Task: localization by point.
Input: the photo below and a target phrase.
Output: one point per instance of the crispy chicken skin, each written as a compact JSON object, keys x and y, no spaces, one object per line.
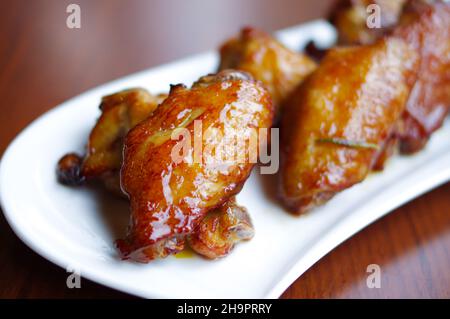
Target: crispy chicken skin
{"x":339,"y":120}
{"x":170,"y":198}
{"x":221,"y":230}
{"x":259,"y":54}
{"x":350,"y":19}
{"x":426,"y":27}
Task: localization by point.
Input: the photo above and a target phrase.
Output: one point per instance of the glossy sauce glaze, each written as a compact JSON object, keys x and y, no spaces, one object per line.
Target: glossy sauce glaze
{"x":120,"y":112}
{"x":426,"y":27}
{"x":170,"y":198}
{"x":267,"y":60}
{"x":356,"y":95}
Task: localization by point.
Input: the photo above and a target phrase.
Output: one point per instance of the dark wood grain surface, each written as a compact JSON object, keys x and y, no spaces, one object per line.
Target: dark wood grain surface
{"x":43,"y":63}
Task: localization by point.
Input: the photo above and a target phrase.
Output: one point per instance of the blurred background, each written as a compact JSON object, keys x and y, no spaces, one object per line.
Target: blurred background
{"x":43,"y":63}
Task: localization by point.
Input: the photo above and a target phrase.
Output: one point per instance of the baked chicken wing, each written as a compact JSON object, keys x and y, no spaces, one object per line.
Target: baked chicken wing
{"x":221,"y":230}
{"x":339,"y":120}
{"x":169,"y":198}
{"x":426,"y":27}
{"x":259,"y":54}
{"x":214,"y":237}
{"x":120,"y":112}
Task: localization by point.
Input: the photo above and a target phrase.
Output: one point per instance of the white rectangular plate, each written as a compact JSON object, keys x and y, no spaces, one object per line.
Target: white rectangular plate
{"x":76,"y":227}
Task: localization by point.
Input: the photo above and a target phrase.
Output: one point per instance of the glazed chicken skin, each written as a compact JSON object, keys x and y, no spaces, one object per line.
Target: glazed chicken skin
{"x":215,"y":237}
{"x":426,"y":27}
{"x":170,"y":198}
{"x":120,"y":112}
{"x":338,"y":122}
{"x":267,"y":60}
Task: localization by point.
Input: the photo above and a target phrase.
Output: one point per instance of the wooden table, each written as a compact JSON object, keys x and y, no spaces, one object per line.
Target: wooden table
{"x":43,"y":63}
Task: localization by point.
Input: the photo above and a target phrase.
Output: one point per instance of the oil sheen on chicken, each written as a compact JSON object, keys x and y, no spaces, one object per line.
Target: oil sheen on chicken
{"x":120,"y":112}
{"x":170,"y":198}
{"x":259,"y":54}
{"x":425,"y":25}
{"x":339,"y":120}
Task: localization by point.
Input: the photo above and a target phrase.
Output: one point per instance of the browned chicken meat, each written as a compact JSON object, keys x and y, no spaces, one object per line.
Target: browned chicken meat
{"x":338,"y":122}
{"x":350,"y":18}
{"x":259,"y":54}
{"x":169,"y":198}
{"x":221,"y":230}
{"x":120,"y":112}
{"x":425,"y":25}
